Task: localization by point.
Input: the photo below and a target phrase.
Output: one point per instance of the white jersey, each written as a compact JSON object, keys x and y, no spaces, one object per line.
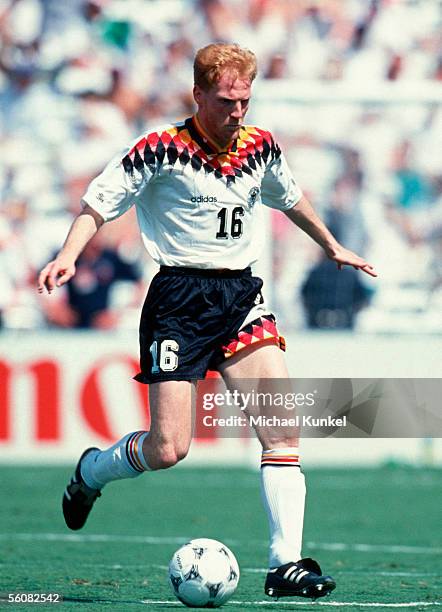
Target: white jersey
{"x":197,"y":206}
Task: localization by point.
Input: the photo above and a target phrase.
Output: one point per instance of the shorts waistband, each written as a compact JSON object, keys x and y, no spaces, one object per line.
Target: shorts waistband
{"x":205,"y":272}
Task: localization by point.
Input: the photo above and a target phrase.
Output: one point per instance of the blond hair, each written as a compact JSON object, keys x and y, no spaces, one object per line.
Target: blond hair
{"x":212,"y":61}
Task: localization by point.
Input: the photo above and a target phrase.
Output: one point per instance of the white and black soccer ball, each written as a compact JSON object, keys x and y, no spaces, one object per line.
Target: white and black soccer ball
{"x":203,"y":573}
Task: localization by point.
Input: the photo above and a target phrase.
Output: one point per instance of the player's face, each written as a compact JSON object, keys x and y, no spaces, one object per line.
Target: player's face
{"x":222,"y":109}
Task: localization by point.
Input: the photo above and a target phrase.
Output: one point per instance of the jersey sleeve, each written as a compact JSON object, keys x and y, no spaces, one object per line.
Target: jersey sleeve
{"x":278,"y":188}
{"x":124,"y":178}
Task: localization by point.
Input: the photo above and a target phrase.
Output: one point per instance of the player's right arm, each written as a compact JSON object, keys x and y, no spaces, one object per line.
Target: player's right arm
{"x":108,"y":197}
{"x":59,"y":271}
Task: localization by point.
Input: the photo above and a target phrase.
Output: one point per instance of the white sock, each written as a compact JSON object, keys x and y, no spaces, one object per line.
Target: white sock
{"x":283,"y":492}
{"x":124,"y":459}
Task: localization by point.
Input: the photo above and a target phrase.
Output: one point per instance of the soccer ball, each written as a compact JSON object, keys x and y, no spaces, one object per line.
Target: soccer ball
{"x":203,"y":573}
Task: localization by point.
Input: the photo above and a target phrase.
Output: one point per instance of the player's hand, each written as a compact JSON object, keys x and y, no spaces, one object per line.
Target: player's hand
{"x":344,"y":257}
{"x":55,"y":274}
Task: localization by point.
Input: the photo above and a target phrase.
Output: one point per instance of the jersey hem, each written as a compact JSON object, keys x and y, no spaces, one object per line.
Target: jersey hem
{"x":278,"y":341}
{"x":146,"y":379}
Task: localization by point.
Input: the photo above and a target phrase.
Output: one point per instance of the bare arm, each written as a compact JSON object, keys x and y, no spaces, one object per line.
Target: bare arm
{"x":59,"y":271}
{"x":304,"y":216}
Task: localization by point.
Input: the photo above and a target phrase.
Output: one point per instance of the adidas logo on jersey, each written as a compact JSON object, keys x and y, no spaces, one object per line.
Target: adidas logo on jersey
{"x":201,"y":198}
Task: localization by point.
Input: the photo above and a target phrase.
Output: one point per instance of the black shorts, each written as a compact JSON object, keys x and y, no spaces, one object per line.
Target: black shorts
{"x":194,"y":319}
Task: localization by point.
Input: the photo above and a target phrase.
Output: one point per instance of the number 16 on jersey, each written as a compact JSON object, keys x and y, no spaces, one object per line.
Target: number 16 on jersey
{"x":167,"y":359}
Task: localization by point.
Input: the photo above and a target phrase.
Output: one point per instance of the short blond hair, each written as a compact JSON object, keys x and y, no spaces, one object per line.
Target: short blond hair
{"x":212,"y":61}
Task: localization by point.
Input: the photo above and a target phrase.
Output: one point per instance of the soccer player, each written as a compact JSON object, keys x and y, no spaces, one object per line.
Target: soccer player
{"x":198,"y":187}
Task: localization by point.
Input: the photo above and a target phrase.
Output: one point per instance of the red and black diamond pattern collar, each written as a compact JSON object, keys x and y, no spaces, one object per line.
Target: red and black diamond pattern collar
{"x":184,"y":144}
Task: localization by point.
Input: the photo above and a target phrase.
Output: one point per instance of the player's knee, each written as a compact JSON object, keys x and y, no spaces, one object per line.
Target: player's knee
{"x":181,"y":452}
{"x":167,"y":456}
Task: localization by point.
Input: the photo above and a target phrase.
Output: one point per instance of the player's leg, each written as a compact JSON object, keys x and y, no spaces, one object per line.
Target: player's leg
{"x":164,"y":445}
{"x":171,"y":424}
{"x":282,"y":482}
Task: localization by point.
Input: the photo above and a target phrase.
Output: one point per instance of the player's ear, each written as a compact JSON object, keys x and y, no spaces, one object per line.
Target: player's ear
{"x":197,"y":94}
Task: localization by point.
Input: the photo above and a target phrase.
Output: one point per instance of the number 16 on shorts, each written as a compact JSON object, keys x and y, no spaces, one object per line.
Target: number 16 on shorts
{"x":164,"y":357}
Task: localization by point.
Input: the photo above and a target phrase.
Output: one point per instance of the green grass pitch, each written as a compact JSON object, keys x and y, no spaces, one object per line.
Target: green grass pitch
{"x":377,"y":531}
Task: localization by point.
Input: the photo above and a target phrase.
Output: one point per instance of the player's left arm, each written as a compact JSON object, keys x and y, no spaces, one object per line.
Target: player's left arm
{"x":305,"y":217}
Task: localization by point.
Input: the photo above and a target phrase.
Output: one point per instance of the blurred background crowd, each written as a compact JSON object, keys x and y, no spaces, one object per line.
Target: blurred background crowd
{"x":79,"y":79}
